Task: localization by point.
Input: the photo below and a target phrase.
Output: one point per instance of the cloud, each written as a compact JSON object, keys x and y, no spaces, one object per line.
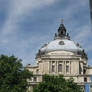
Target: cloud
{"x":18,"y":9}
{"x":90,"y":61}
{"x":89,"y":47}
{"x":83,"y":34}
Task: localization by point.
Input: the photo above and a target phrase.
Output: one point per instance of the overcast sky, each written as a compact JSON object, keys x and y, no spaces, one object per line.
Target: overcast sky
{"x":25,"y":25}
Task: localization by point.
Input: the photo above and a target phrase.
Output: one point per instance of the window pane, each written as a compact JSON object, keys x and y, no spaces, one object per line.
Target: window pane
{"x":60,"y":68}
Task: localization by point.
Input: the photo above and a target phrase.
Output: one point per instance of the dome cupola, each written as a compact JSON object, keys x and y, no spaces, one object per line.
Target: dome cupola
{"x":62,"y":34}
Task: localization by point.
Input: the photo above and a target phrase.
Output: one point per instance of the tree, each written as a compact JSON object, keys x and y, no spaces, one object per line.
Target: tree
{"x":13,"y":77}
{"x":56,"y":84}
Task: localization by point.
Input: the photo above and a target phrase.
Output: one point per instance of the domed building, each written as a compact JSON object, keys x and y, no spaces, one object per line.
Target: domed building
{"x":61,"y":56}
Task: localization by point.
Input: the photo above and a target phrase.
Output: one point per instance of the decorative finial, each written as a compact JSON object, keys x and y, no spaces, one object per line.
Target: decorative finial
{"x":62,"y":20}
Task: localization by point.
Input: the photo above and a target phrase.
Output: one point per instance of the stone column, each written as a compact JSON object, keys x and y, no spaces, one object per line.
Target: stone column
{"x":65,"y":67}
{"x":70,"y":67}
{"x":55,"y":66}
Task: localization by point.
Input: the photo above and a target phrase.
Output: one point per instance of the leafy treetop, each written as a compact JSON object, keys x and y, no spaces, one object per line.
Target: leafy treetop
{"x":13,"y":77}
{"x":56,"y":84}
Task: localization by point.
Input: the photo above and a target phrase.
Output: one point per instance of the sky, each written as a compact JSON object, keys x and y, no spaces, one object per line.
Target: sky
{"x":25,"y":25}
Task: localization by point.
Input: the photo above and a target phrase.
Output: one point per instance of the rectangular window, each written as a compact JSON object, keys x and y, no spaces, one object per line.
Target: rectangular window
{"x":53,"y":68}
{"x":35,"y":79}
{"x":85,"y":79}
{"x":84,"y":71}
{"x":37,"y":71}
{"x":67,"y":68}
{"x":59,"y":67}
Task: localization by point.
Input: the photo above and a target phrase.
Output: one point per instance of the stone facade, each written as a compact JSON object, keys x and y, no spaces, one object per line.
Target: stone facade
{"x":61,"y":56}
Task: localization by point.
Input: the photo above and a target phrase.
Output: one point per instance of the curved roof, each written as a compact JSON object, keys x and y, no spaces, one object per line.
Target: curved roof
{"x":61,"y":44}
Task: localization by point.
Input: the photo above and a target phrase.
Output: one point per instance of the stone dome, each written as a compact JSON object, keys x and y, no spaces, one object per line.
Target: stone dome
{"x":61,"y":42}
{"x":61,"y":45}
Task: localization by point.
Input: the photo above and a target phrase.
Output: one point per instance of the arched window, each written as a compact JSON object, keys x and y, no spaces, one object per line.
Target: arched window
{"x":59,"y":67}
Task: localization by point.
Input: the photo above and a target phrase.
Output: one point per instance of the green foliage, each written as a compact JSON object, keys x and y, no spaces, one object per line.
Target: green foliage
{"x":56,"y":84}
{"x":13,"y":77}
